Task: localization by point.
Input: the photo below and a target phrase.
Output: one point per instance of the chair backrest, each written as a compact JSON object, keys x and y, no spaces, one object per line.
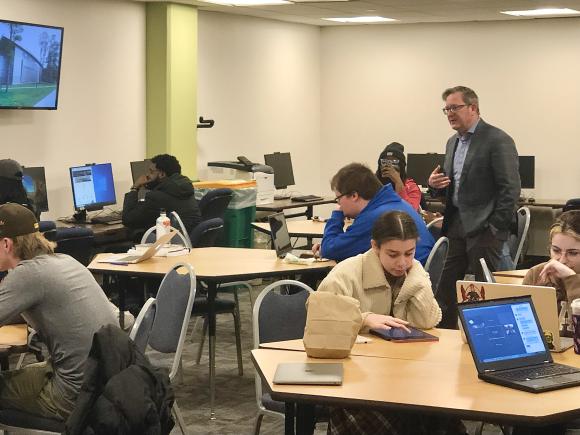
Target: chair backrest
{"x":517,"y":244}
{"x":177,"y":222}
{"x":486,"y":272}
{"x":143,"y":325}
{"x":279,"y":316}
{"x":214,"y":203}
{"x":572,"y":204}
{"x":205,"y":234}
{"x":174,"y":301}
{"x":44,"y":226}
{"x":436,"y":261}
{"x":78,"y":242}
{"x":177,"y":239}
{"x":434,"y":227}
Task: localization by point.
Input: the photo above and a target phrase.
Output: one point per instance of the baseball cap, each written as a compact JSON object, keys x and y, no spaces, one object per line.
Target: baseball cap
{"x":10,"y":169}
{"x":16,"y":220}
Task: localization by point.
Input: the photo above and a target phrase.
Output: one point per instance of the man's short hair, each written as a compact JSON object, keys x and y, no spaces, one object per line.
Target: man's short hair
{"x":356,"y":177}
{"x":167,"y":163}
{"x":468,"y":95}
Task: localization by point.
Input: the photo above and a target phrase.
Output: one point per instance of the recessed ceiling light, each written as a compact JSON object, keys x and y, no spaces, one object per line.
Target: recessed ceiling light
{"x":248,"y":2}
{"x":542,"y":12}
{"x":360,"y":20}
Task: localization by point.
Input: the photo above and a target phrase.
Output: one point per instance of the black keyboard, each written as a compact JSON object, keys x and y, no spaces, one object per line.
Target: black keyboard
{"x":537,"y":372}
{"x":106,"y":219}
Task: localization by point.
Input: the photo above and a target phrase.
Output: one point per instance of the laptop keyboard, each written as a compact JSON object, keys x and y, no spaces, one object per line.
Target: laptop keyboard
{"x":538,"y":372}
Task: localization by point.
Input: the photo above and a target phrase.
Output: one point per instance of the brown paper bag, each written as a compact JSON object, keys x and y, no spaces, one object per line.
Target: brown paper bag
{"x":332,"y":324}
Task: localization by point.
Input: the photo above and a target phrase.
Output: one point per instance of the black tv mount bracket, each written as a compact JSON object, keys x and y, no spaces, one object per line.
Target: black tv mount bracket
{"x":205,"y":123}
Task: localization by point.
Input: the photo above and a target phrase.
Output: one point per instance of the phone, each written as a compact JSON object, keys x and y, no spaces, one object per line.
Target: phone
{"x":399,"y":335}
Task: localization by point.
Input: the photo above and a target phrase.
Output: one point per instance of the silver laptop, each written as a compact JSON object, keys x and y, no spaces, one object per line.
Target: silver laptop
{"x":150,"y":252}
{"x":281,"y":238}
{"x":544,"y":299}
{"x":309,"y":374}
{"x":509,"y":348}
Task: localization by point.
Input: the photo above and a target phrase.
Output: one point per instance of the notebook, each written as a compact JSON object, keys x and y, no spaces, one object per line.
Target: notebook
{"x":132,"y":259}
{"x":544,"y":301}
{"x":281,"y":238}
{"x":309,"y":374}
{"x":509,"y":348}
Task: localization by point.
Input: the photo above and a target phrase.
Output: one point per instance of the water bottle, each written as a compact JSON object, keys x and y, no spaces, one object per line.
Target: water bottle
{"x":162,"y":225}
{"x":575,"y":305}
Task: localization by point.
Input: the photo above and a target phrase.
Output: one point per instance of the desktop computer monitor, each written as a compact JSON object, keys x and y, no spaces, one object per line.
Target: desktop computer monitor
{"x":281,"y":163}
{"x":528,"y":171}
{"x":420,"y":166}
{"x":140,"y":168}
{"x":93,"y":186}
{"x":34,"y":182}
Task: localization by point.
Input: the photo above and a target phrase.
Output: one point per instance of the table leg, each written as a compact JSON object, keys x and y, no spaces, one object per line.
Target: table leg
{"x":211,"y":293}
{"x":305,"y":419}
{"x":309,"y":212}
{"x":121,"y":288}
{"x":289,"y":418}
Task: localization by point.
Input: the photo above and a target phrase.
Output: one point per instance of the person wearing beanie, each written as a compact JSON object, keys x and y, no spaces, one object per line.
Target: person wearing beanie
{"x":11,"y":187}
{"x":60,"y":299}
{"x":392,"y":169}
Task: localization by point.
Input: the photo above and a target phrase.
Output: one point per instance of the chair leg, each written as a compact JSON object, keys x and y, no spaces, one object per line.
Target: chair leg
{"x":238,"y":341}
{"x":179,"y":418}
{"x":202,"y":340}
{"x":191,"y":337}
{"x":258,"y":423}
{"x":237,"y":302}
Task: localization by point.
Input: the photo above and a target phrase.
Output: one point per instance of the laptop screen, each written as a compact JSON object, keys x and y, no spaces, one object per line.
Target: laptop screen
{"x":280,"y":235}
{"x":503,"y":331}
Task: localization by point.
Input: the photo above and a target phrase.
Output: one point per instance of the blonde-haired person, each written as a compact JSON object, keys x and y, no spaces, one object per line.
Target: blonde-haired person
{"x":394,"y":291}
{"x":59,"y":298}
{"x":562,"y":271}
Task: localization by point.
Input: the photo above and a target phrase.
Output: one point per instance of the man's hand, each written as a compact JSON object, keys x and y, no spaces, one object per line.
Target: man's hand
{"x":141,"y":181}
{"x":553,"y":270}
{"x":316,"y":249}
{"x":392,"y":174}
{"x":379,"y":321}
{"x":438,"y":180}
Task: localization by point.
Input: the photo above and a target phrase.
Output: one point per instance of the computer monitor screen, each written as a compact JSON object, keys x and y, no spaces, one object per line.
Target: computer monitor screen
{"x":420,"y":166}
{"x":528,"y":171}
{"x":93,"y":186}
{"x":281,"y":163}
{"x":139,"y":168}
{"x":34,"y":182}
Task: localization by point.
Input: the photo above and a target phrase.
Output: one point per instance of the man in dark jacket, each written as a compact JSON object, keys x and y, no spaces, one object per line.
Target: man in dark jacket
{"x":163,"y":187}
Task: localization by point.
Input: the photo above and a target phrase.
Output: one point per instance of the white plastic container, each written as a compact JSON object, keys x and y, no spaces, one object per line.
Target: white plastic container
{"x":162,"y":225}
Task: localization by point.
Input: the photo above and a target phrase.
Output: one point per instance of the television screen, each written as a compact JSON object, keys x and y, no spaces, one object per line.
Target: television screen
{"x":34,"y":182}
{"x":30,"y":56}
{"x":93,"y":186}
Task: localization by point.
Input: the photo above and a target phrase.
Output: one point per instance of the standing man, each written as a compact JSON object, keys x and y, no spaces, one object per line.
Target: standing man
{"x":480,"y":185}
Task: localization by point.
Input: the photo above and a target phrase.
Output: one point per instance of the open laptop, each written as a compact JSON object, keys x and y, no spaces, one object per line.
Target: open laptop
{"x":150,"y":252}
{"x":544,"y":299}
{"x":509,"y":348}
{"x":309,"y":374}
{"x":281,"y":238}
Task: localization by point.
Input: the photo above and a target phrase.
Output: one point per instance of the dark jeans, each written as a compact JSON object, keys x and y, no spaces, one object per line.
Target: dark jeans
{"x":464,"y":254}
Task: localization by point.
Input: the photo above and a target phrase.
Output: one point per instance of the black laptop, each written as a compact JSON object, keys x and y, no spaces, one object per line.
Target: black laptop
{"x":509,"y":348}
{"x":281,"y":238}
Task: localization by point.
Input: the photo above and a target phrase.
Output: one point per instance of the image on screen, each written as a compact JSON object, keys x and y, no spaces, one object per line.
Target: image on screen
{"x":34,"y":182}
{"x":30,"y":58}
{"x":504,"y":332}
{"x":281,"y":163}
{"x":93,"y":186}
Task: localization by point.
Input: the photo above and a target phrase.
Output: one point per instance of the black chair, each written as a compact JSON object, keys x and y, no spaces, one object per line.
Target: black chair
{"x":436,"y":261}
{"x":486,"y":272}
{"x":78,"y":242}
{"x":434,"y":227}
{"x":44,"y":226}
{"x":205,"y":234}
{"x":214,"y":203}
{"x":572,"y":204}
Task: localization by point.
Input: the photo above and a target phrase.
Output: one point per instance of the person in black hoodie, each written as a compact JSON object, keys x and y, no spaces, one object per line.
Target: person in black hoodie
{"x":11,"y":187}
{"x":163,"y":187}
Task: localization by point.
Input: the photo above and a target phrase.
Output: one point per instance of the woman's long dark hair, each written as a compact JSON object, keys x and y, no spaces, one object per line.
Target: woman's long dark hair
{"x":394,"y":225}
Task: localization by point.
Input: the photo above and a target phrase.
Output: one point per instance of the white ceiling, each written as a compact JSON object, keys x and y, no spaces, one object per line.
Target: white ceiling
{"x":406,"y":11}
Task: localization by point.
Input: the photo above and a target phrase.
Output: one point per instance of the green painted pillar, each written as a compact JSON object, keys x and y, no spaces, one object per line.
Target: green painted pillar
{"x":172,"y":83}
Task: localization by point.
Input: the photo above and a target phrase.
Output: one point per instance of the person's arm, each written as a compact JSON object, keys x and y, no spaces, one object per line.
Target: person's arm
{"x":138,"y":214}
{"x":338,"y":244}
{"x":411,"y":193}
{"x":504,"y":160}
{"x":19,"y":291}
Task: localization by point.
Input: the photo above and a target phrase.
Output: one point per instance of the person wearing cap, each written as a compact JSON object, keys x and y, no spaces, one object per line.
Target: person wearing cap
{"x":60,"y":299}
{"x":11,"y":187}
{"x":392,"y":168}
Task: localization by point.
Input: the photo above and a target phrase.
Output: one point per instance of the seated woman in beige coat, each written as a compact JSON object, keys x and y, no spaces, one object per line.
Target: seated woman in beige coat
{"x":562,"y":271}
{"x":392,"y":287}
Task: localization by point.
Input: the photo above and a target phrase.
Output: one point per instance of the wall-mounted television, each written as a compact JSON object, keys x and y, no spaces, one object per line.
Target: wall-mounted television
{"x":30,"y":57}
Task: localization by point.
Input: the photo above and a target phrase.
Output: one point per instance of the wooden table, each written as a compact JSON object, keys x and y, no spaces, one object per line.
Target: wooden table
{"x":284,"y":204}
{"x":422,"y":377}
{"x":215,"y":266}
{"x":13,"y":339}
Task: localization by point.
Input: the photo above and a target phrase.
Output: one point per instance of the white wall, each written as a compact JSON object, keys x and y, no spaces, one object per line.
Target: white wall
{"x":384,"y":83}
{"x":101,"y":111}
{"x":260,"y":81}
